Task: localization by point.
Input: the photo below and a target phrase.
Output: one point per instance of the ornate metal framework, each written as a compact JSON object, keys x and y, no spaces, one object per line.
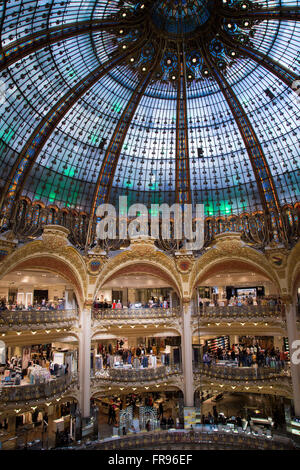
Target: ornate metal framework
{"x":263,"y":176}
{"x":183,"y":190}
{"x":158,"y":43}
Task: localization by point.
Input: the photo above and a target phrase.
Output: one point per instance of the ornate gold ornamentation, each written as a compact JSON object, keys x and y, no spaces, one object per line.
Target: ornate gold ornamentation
{"x":184,"y":261}
{"x":230,"y":247}
{"x":141,"y":251}
{"x":55,"y":237}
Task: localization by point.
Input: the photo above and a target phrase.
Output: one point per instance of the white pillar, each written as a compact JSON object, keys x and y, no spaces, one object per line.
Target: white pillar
{"x":69,"y":299}
{"x":293,"y":335}
{"x":85,"y":360}
{"x":187,"y":355}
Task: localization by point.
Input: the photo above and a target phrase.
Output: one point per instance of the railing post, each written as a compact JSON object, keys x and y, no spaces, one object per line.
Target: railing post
{"x":85,"y":359}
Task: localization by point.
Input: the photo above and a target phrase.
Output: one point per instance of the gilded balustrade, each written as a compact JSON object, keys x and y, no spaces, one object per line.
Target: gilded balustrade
{"x":214,"y":439}
{"x":231,"y":373}
{"x":247,"y":312}
{"x":24,"y":393}
{"x":27,"y":319}
{"x":135,"y":313}
{"x":137,"y":375}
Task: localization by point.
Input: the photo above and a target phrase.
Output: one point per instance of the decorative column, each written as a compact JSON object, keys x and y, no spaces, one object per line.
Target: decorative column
{"x":293,"y":335}
{"x":187,"y":354}
{"x":69,"y":299}
{"x":85,"y":359}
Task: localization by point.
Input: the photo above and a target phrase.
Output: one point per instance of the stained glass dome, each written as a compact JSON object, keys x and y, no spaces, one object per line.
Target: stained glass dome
{"x":160,"y":101}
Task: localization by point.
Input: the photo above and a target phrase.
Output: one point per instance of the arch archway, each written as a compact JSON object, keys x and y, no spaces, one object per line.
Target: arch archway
{"x":232,"y":264}
{"x":136,"y":261}
{"x":38,"y":258}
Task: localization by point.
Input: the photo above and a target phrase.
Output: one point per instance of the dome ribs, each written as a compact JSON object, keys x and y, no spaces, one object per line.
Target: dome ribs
{"x":183,"y":188}
{"x":284,"y":74}
{"x":48,"y":124}
{"x":110,"y":161}
{"x":264,"y":180}
{"x":17,"y":50}
{"x":291,"y":13}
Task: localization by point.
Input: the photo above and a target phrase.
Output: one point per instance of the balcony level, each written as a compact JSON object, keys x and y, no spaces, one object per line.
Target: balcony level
{"x":264,"y":380}
{"x":260,"y":380}
{"x":235,"y":319}
{"x":258,"y":313}
{"x":21,"y":396}
{"x":204,"y":439}
{"x":27,"y":320}
{"x":128,"y":380}
{"x":135,"y":321}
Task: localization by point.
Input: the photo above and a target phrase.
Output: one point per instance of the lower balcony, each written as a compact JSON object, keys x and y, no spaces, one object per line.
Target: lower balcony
{"x":243,"y":379}
{"x":20,"y":395}
{"x":206,"y":439}
{"x":241,"y":373}
{"x":239,"y":313}
{"x":106,"y":381}
{"x":23,"y":320}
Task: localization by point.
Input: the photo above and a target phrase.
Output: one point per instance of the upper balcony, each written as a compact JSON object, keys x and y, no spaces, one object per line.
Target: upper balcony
{"x":23,"y":320}
{"x":262,"y":315}
{"x":136,"y":317}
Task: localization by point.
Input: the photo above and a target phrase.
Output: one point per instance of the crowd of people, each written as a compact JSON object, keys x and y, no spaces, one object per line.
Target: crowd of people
{"x":36,"y":306}
{"x":152,"y":303}
{"x":240,"y":301}
{"x":141,"y":356}
{"x":248,"y":356}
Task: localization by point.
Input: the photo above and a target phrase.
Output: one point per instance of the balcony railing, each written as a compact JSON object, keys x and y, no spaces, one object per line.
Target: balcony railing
{"x":240,"y":373}
{"x":137,"y":375}
{"x":25,"y":393}
{"x":28,"y":219}
{"x":244,"y":311}
{"x":130,"y":313}
{"x":211,"y":438}
{"x":14,"y":319}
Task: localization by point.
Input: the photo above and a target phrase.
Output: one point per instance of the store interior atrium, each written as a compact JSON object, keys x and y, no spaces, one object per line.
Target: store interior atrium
{"x":149,"y":225}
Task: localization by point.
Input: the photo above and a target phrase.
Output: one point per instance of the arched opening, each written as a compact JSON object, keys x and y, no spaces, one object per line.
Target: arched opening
{"x":137,"y":282}
{"x":139,"y":306}
{"x":39,"y":308}
{"x":134,"y":410}
{"x":235,"y":301}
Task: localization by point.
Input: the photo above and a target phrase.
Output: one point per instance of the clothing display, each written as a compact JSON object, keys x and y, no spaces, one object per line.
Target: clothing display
{"x":144,"y":362}
{"x":37,"y":374}
{"x":99,"y":362}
